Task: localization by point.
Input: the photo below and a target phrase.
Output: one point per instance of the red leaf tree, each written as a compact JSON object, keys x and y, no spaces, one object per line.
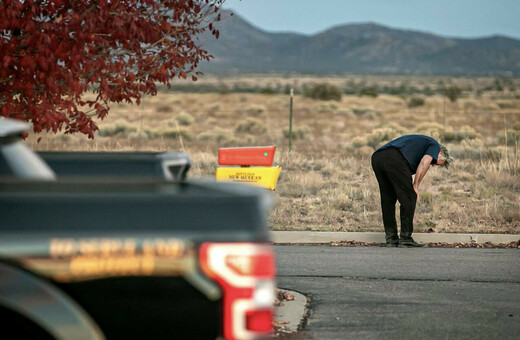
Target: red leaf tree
{"x":53,"y":51}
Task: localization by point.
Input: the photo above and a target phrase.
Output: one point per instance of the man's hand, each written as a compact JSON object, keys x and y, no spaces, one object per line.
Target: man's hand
{"x":421,"y":171}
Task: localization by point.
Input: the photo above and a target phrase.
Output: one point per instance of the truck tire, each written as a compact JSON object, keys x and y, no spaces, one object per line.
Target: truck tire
{"x":19,"y":327}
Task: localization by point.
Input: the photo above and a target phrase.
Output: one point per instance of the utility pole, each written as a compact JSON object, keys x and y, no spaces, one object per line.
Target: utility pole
{"x":290,"y":121}
{"x":443,"y":118}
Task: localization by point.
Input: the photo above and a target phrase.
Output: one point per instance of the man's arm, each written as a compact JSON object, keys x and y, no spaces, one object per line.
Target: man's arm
{"x":421,"y":171}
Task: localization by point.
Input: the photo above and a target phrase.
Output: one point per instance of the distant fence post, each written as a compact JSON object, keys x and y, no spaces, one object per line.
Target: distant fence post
{"x":290,"y":121}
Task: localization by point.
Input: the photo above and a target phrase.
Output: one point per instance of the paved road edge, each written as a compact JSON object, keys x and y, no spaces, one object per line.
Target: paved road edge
{"x":293,"y":237}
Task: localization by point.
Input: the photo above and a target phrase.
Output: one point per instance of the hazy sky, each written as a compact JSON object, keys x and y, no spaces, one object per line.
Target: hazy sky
{"x":453,"y":18}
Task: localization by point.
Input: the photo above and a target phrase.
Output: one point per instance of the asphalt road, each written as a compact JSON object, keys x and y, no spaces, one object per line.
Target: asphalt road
{"x":401,"y":293}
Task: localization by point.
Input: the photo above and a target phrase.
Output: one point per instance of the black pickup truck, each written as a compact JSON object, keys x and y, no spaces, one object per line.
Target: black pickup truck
{"x":93,"y":254}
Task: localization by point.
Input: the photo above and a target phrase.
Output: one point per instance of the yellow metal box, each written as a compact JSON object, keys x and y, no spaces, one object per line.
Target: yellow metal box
{"x":262,"y":176}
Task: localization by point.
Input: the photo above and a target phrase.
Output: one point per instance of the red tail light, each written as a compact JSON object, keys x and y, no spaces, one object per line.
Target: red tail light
{"x":259,"y":321}
{"x":245,"y":271}
{"x":258,"y":266}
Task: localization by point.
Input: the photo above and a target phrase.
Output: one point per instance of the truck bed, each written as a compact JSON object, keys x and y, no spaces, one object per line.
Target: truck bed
{"x":171,"y":166}
{"x":208,"y":210}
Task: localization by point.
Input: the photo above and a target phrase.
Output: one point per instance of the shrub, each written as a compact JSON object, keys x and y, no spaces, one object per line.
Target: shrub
{"x":267,"y":90}
{"x":465,"y":132}
{"x":453,"y":93}
{"x":223,"y":89}
{"x":506,"y":105}
{"x":513,"y":137}
{"x":346,"y":112}
{"x":369,"y":91}
{"x":326,"y":107}
{"x":120,"y":127}
{"x":164,"y":109}
{"x":364,"y":152}
{"x":468,"y":149}
{"x":203,"y":164}
{"x":369,"y":114}
{"x":494,"y":154}
{"x":358,"y":142}
{"x":430,"y":129}
{"x":299,"y":132}
{"x":173,"y":133}
{"x":396,"y":127}
{"x":323,"y":91}
{"x":213,"y":108}
{"x":378,"y":136}
{"x":185,"y":119}
{"x":255,"y":110}
{"x":416,"y":102}
{"x":252,"y":126}
{"x":217,"y":134}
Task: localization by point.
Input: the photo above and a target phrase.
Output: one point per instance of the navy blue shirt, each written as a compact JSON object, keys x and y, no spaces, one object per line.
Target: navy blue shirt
{"x":413,"y":148}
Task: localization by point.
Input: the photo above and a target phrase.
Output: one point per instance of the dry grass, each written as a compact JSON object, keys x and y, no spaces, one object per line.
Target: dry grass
{"x":327,"y":182}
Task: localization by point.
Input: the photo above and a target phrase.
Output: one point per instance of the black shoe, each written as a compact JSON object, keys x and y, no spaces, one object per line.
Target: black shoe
{"x":390,"y":244}
{"x":410,"y":243}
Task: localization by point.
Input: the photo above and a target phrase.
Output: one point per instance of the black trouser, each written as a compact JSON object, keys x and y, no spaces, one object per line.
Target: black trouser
{"x":395,"y":183}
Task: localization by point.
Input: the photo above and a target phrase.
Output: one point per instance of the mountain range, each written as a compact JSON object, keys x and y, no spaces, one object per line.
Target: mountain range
{"x":365,"y":48}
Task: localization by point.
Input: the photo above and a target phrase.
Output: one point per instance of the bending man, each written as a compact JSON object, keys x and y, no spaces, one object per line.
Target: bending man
{"x":394,"y":164}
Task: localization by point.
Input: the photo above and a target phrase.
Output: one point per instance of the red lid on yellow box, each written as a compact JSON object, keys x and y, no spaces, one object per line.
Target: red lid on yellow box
{"x":244,"y":156}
